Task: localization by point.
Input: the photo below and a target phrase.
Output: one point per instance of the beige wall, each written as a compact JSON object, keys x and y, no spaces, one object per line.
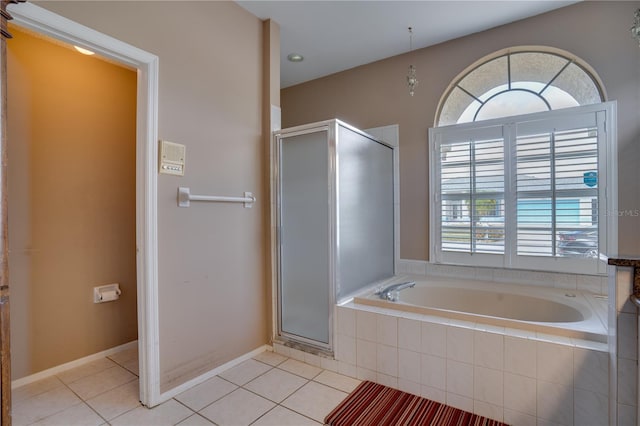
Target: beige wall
{"x":71,"y":132}
{"x":376,"y":94}
{"x":270,"y":123}
{"x":212,"y":290}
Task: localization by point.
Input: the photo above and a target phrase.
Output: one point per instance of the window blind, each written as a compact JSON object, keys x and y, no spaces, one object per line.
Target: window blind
{"x":524,"y":192}
{"x":557,"y":193}
{"x":472,"y":188}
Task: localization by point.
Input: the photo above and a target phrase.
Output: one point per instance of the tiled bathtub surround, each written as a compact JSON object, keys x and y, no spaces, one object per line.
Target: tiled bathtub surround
{"x":590,"y":283}
{"x":622,"y":319}
{"x":625,"y":349}
{"x":515,"y":376}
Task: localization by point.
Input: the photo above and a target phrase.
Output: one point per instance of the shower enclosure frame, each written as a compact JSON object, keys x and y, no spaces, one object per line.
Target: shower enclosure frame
{"x":333,"y":237}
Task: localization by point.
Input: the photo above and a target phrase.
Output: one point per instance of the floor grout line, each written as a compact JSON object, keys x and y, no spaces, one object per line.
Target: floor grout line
{"x":192,"y":412}
{"x":81,"y":399}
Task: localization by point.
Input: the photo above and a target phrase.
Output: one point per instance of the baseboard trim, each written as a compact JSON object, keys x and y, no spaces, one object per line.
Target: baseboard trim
{"x":211,"y":373}
{"x":69,"y":365}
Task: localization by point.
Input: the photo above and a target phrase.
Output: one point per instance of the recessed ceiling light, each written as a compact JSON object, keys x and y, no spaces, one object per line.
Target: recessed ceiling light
{"x":295,"y":57}
{"x":83,"y":51}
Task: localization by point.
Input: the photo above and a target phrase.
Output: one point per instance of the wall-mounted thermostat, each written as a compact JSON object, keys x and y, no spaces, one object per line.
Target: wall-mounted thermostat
{"x":172,"y":156}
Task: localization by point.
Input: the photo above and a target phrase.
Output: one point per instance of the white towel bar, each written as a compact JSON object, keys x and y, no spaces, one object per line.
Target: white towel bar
{"x":185,"y":198}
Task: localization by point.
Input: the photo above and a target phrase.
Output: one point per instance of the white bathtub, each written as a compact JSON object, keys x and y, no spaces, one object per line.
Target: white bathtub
{"x":563,"y":312}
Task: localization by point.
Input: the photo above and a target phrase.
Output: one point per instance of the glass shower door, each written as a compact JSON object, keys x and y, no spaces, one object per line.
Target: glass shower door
{"x":304,"y":224}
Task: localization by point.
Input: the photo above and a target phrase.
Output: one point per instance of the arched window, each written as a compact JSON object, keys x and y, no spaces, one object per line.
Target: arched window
{"x":525,"y":190}
{"x":519,"y":81}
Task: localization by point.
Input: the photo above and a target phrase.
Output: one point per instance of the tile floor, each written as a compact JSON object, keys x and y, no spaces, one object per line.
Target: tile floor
{"x":269,"y":389}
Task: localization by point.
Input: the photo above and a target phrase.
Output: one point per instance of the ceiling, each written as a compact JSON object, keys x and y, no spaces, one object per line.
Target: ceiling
{"x":337,"y":35}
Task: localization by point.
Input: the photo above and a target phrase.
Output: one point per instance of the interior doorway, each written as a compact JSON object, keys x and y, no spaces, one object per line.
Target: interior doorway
{"x":71,"y":122}
{"x":43,"y":22}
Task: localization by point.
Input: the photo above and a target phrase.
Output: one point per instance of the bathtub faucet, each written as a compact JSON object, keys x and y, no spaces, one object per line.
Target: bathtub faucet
{"x":390,"y":292}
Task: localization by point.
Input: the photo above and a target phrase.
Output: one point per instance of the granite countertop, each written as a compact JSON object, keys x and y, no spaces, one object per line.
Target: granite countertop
{"x":635,"y":264}
{"x":624,"y":262}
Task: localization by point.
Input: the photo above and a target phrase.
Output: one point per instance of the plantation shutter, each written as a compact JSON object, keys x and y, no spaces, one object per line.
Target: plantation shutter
{"x":557,"y":188}
{"x":471,"y":190}
{"x":523,"y":192}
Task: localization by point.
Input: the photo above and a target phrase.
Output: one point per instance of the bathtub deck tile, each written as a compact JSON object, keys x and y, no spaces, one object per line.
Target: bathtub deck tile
{"x":520,"y":356}
{"x":366,"y":354}
{"x":555,"y":403}
{"x":387,"y":380}
{"x":387,"y":360}
{"x":590,"y":408}
{"x":628,"y":335}
{"x":490,"y":411}
{"x":483,"y":274}
{"x":459,"y":378}
{"x":590,"y":283}
{"x":627,"y":381}
{"x":591,"y":370}
{"x":490,"y":328}
{"x":488,"y":385}
{"x":347,"y":369}
{"x":387,"y":330}
{"x":346,"y":321}
{"x":460,"y":344}
{"x":412,"y":316}
{"x":523,"y":334}
{"x":435,"y":319}
{"x":433,"y":371}
{"x":590,"y":344}
{"x":434,"y":394}
{"x":488,"y":350}
{"x":520,"y":393}
{"x":565,"y":281}
{"x":366,"y":374}
{"x":409,"y":386}
{"x":409,"y":334}
{"x":346,"y":349}
{"x":627,"y":414}
{"x":366,"y":325}
{"x":553,"y":338}
{"x":516,"y":418}
{"x":459,"y":401}
{"x":329,"y":364}
{"x":555,"y":363}
{"x":408,"y":364}
{"x":600,"y":306}
{"x":462,"y":323}
{"x":434,"y":339}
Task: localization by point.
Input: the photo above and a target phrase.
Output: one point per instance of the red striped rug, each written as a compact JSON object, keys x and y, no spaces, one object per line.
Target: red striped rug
{"x":373,"y":404}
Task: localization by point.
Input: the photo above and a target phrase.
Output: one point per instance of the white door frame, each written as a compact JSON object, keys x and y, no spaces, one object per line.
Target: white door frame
{"x":44,"y":22}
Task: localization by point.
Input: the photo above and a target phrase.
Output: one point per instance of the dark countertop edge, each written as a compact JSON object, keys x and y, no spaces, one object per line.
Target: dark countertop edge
{"x":624,"y":262}
{"x":635,"y":263}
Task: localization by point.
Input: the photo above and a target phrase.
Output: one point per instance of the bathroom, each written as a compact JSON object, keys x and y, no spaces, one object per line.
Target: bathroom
{"x":189,"y":285}
{"x":586,"y":364}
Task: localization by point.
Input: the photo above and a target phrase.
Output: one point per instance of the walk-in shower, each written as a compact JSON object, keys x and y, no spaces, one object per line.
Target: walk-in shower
{"x":334,"y":214}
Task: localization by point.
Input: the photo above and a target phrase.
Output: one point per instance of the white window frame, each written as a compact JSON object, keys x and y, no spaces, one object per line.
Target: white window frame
{"x":605,"y":114}
{"x":507,"y":53}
